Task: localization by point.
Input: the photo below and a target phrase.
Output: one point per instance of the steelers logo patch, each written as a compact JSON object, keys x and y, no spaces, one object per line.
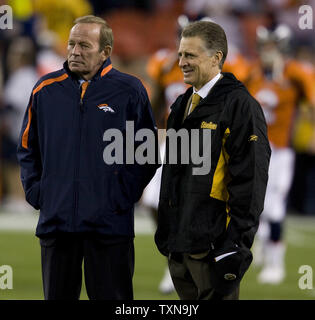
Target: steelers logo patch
{"x":229,"y":276}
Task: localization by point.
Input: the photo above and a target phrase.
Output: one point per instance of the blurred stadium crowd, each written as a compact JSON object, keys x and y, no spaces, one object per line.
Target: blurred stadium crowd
{"x":37,"y":45}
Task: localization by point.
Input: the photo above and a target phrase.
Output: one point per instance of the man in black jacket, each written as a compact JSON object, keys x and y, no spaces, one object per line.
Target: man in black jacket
{"x":207,"y":222}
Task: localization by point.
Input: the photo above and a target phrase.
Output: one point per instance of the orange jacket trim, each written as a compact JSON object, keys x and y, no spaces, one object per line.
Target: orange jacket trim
{"x":27,"y":129}
{"x":43,"y":84}
{"x":50,"y":81}
{"x":106,"y":70}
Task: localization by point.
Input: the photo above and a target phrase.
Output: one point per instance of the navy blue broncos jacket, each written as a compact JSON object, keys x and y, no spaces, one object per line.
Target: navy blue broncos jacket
{"x":61,"y":152}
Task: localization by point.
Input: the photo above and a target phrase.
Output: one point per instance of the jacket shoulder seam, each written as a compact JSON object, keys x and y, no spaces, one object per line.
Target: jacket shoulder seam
{"x":49,"y":81}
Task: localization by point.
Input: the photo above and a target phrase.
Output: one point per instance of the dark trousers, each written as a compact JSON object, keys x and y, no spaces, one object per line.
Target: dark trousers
{"x":191,"y":278}
{"x":108,"y":267}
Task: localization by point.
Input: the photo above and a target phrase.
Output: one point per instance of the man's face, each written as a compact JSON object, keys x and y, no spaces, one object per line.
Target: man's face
{"x":194,"y":60}
{"x":84,"y":56}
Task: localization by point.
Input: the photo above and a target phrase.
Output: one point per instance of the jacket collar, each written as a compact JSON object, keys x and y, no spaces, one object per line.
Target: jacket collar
{"x":211,"y":103}
{"x":103,"y":70}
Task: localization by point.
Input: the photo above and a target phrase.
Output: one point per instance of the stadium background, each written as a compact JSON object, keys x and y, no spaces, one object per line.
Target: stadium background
{"x":37,"y":42}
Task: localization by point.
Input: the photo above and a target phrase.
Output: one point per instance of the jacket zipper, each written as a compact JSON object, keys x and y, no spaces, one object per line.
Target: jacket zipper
{"x":77,"y":167}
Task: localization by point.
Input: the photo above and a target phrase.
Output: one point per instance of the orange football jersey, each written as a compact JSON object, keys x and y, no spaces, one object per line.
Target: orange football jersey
{"x":237,"y":64}
{"x":164,"y":70}
{"x":280,"y":96}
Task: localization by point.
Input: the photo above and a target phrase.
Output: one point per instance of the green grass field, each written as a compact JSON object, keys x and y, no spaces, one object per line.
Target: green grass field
{"x":21,"y":251}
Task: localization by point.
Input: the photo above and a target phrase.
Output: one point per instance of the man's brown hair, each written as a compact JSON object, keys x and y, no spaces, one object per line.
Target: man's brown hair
{"x":106,"y":33}
{"x":212,"y":35}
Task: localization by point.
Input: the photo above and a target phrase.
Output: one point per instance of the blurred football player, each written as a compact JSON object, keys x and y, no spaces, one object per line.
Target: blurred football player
{"x":279,"y":84}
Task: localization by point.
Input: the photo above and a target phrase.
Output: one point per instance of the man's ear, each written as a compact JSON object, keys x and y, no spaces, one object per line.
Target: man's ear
{"x":106,"y":52}
{"x":217,"y":58}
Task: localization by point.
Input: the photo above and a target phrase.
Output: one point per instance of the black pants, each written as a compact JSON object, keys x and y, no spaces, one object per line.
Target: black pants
{"x":191,"y":278}
{"x":108,"y":267}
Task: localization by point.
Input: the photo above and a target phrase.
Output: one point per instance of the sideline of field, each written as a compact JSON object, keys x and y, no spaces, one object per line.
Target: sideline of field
{"x":27,"y":221}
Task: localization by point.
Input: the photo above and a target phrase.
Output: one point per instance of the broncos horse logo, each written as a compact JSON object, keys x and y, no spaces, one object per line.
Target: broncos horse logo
{"x":106,"y":108}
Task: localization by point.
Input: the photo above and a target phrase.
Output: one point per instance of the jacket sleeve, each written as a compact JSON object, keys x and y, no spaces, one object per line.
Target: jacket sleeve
{"x":249,"y":154}
{"x":28,"y":155}
{"x":135,"y":177}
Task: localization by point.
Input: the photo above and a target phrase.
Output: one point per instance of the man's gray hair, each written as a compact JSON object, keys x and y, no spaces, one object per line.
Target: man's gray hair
{"x":212,"y":34}
{"x":106,"y":33}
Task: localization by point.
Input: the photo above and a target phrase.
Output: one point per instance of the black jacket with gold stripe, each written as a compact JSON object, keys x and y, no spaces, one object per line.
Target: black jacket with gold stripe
{"x":220,"y":209}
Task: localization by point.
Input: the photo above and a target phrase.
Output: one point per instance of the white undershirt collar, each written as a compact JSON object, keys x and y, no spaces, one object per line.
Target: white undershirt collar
{"x":203,"y":91}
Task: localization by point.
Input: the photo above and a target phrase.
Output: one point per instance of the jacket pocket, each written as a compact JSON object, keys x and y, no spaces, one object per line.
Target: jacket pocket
{"x":33,"y":195}
{"x":56,"y":198}
{"x":206,"y":218}
{"x":119,"y":193}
